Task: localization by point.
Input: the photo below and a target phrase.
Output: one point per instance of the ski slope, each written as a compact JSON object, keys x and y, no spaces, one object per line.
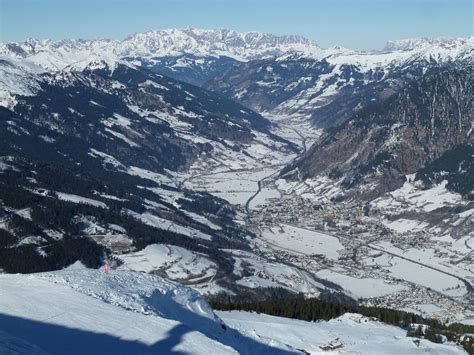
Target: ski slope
{"x":82,"y":311}
{"x":358,"y":334}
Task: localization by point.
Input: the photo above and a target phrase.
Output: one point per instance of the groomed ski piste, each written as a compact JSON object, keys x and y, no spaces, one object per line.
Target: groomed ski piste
{"x":85,"y":311}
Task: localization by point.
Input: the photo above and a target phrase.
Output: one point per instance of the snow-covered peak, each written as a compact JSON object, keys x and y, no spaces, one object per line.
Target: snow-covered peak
{"x":242,"y":46}
{"x":239,"y":45}
{"x":16,"y":78}
{"x":395,"y":54}
{"x":431,"y":49}
{"x":409,"y":44}
{"x":160,"y":43}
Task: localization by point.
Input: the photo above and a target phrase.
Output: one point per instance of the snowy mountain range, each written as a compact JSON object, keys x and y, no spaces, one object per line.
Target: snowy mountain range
{"x":328,"y":85}
{"x":240,"y":164}
{"x":158,"y":43}
{"x":277,"y":75}
{"x":226,"y":46}
{"x":221,"y":42}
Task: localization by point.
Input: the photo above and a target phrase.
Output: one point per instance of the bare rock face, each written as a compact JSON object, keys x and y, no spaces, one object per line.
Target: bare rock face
{"x":399,"y":135}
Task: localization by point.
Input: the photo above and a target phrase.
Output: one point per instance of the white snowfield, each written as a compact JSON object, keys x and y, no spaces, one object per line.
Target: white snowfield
{"x":178,"y":263}
{"x":83,"y":311}
{"x":303,"y":241}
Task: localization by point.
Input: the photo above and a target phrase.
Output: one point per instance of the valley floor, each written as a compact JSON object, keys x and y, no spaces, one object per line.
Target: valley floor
{"x":305,"y":239}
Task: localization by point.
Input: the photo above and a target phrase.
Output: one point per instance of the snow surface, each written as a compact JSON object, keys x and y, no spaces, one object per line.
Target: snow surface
{"x":83,"y":311}
{"x":80,"y":199}
{"x":165,"y":224}
{"x":357,"y":334}
{"x":303,"y":241}
{"x":178,"y":263}
{"x":360,"y":287}
{"x":412,"y":197}
{"x":16,"y":78}
{"x":403,"y":225}
{"x":88,"y":312}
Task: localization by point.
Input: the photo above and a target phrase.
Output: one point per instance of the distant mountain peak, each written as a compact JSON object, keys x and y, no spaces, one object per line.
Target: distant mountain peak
{"x":241,"y":45}
{"x":408,"y":44}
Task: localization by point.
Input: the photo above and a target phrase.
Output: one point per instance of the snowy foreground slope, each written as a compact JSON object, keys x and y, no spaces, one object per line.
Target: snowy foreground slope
{"x":79,"y":311}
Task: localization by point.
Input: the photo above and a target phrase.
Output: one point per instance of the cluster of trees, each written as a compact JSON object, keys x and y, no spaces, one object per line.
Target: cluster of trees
{"x":456,"y":166}
{"x":40,"y":166}
{"x":313,"y":309}
{"x":47,"y":212}
{"x":58,"y":254}
{"x":7,"y":239}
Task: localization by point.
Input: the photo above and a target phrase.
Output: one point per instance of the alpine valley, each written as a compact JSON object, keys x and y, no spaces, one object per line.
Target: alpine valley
{"x":238,"y":168}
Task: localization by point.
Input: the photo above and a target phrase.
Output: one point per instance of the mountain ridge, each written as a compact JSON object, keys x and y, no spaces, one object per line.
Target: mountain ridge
{"x":399,"y":135}
{"x":242,"y":46}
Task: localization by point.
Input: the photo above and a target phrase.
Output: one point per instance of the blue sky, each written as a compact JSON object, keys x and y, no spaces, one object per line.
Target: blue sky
{"x":358,"y":24}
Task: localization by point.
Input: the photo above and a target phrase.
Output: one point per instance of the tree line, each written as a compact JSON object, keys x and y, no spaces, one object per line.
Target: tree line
{"x":313,"y":310}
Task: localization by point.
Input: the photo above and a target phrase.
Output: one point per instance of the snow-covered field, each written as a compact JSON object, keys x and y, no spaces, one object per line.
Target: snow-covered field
{"x":423,"y":276}
{"x":176,"y":262}
{"x":412,"y":197}
{"x":165,"y":224}
{"x":265,"y":273}
{"x":237,"y":187}
{"x":79,"y":311}
{"x":431,"y":256}
{"x":303,"y":241}
{"x":360,"y":287}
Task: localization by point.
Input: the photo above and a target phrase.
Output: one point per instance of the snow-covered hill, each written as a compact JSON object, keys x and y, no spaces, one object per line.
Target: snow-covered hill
{"x":78,"y":311}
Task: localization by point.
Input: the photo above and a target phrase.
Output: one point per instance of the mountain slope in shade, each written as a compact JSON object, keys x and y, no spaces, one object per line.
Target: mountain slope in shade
{"x":456,"y":166}
{"x":398,"y":136}
{"x":90,"y":164}
{"x":121,"y":110}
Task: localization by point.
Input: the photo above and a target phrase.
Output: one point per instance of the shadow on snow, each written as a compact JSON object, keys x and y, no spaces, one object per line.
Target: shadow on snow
{"x":30,"y":336}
